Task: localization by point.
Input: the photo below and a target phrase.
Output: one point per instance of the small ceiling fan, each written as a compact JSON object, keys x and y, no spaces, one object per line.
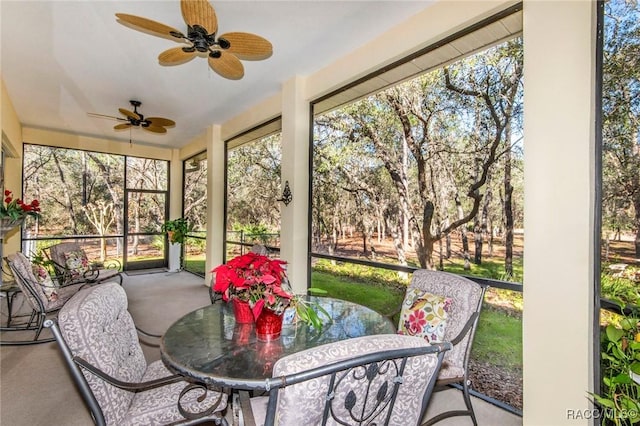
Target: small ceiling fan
{"x":223,"y":51}
{"x":135,"y":119}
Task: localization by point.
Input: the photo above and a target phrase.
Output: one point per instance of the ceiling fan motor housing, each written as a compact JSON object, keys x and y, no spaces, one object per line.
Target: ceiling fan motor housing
{"x":137,"y":122}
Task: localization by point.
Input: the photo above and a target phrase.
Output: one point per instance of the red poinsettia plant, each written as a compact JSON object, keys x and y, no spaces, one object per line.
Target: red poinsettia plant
{"x":16,"y":209}
{"x":256,"y":279}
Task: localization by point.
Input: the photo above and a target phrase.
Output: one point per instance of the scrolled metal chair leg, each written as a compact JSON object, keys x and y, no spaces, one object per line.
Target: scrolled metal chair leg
{"x":190,"y":415}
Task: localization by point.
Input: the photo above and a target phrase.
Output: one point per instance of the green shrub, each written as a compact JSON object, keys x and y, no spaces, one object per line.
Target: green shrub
{"x":620,"y":365}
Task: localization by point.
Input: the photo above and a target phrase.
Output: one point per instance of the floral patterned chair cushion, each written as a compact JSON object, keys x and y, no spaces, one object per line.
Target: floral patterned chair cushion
{"x":49,"y":288}
{"x":77,"y":262}
{"x":424,"y":315}
{"x":466,"y":297}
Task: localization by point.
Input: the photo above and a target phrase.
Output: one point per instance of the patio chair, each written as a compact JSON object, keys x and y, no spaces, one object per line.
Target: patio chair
{"x":71,"y":262}
{"x":434,"y":292}
{"x":378,"y":379}
{"x":43,"y":295}
{"x":100,"y":346}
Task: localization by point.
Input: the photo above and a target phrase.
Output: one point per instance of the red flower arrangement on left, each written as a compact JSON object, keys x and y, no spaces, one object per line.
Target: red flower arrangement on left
{"x":16,"y":209}
{"x":256,"y":279}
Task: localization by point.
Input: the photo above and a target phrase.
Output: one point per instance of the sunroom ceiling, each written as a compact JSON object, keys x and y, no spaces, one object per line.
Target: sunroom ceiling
{"x":458,"y":46}
{"x":64,"y":59}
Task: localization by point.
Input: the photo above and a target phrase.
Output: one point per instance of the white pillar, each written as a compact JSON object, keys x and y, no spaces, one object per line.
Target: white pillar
{"x":175,"y":204}
{"x":295,"y":169}
{"x":215,"y":199}
{"x":559,"y":110}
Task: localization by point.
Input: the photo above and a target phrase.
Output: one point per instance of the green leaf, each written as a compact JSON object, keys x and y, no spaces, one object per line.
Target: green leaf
{"x":635,"y":367}
{"x":605,"y":402}
{"x":614,"y":334}
{"x":628,"y":323}
{"x":622,"y":378}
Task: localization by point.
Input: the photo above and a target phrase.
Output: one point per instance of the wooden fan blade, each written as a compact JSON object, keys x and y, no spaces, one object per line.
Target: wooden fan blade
{"x":110,"y":117}
{"x":129,"y":114}
{"x":228,"y":66}
{"x":159,"y":121}
{"x":175,"y":56}
{"x":155,"y":129}
{"x":122,"y":126}
{"x":199,"y":12}
{"x":248,"y":46}
{"x":148,"y":26}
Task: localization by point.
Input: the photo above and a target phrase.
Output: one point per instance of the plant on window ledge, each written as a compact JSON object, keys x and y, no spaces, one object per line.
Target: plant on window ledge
{"x":14,"y":211}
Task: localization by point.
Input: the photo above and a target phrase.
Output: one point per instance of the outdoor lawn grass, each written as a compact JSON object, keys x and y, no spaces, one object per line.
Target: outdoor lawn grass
{"x":377,"y":297}
{"x":498,"y":337}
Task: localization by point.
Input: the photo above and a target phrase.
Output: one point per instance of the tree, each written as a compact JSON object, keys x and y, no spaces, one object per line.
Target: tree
{"x":621,"y":117}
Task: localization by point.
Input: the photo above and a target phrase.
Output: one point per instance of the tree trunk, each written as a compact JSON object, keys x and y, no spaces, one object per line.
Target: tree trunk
{"x":67,"y":195}
{"x":508,"y":206}
{"x":477,"y":241}
{"x":463,"y":236}
{"x":636,"y":205}
{"x":481,"y":230}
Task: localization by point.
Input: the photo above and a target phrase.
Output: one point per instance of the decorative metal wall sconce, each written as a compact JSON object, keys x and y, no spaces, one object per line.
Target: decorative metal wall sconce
{"x":287,"y":197}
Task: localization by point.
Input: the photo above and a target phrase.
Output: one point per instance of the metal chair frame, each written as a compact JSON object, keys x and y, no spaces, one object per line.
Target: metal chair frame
{"x":443,"y":384}
{"x":363,"y":368}
{"x":70,"y":276}
{"x":38,"y":313}
{"x":75,"y":363}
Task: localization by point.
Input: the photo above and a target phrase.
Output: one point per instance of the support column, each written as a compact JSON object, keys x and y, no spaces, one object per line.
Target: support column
{"x":215,"y":199}
{"x":559,"y":127}
{"x":295,"y":169}
{"x":175,"y":204}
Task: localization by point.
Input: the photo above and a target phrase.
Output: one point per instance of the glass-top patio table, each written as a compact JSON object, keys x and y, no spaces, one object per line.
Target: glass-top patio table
{"x":207,"y":345}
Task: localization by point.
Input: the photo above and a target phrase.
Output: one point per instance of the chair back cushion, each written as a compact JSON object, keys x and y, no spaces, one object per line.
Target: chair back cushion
{"x":69,"y":256}
{"x":303,"y":403}
{"x":77,"y":262}
{"x":424,"y":315}
{"x":96,"y":325}
{"x":465,"y":298}
{"x":43,"y":278}
{"x":25,"y":279}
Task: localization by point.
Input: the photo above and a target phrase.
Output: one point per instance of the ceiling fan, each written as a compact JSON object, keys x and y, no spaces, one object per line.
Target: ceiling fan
{"x":135,"y":119}
{"x":223,"y":51}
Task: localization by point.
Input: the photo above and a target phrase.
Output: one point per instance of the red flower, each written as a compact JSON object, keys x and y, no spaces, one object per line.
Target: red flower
{"x":253,"y":278}
{"x":18,"y":209}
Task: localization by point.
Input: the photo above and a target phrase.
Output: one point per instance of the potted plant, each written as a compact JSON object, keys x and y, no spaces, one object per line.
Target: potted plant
{"x":261,"y":283}
{"x":14,"y":211}
{"x":176,"y":230}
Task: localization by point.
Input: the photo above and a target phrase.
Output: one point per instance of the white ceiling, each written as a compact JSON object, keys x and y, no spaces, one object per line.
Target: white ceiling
{"x":63,"y":59}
